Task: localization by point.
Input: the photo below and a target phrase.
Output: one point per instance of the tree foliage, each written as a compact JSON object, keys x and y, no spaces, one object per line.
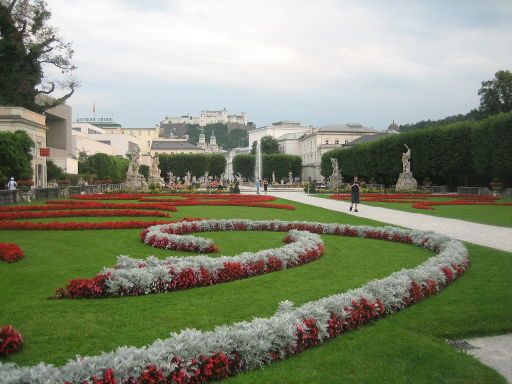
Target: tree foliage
{"x":15,"y":156}
{"x":225,"y":139}
{"x":496,"y":94}
{"x":278,"y":163}
{"x":269,"y":144}
{"x":53,"y":171}
{"x":29,"y":46}
{"x":244,"y":164}
{"x":105,"y":167}
{"x":464,"y":153}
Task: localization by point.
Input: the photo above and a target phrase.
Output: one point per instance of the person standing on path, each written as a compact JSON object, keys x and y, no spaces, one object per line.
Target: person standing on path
{"x":265,"y":185}
{"x":258,"y":185}
{"x":354,"y":191}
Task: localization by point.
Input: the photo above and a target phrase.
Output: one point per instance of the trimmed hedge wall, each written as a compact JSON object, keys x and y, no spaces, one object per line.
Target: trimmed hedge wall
{"x":279,"y":163}
{"x":465,"y":153}
{"x":197,"y":164}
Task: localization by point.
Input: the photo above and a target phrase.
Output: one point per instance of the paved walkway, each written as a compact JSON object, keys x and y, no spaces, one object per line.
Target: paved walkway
{"x":495,"y":351}
{"x":481,"y":234}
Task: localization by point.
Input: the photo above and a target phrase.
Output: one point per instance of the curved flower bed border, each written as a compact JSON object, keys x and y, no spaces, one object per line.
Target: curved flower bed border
{"x":193,"y":356}
{"x":58,"y":205}
{"x":11,"y":340}
{"x":133,"y":277}
{"x":417,"y":199}
{"x":10,"y":252}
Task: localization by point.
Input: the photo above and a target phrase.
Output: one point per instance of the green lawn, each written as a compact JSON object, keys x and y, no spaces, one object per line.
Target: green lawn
{"x":406,"y":347}
{"x":484,"y":214}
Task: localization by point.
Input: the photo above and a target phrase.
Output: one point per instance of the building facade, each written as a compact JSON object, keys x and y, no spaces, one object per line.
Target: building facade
{"x":207,"y":117}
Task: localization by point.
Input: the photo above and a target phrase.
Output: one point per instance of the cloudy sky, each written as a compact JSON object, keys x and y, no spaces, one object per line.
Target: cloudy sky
{"x":318,"y":62}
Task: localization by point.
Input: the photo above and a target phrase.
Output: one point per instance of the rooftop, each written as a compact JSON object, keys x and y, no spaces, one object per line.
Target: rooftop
{"x":160,"y":144}
{"x":349,"y":127}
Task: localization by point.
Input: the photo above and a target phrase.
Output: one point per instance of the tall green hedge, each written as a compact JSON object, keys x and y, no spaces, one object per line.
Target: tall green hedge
{"x":463,"y":153}
{"x":278,"y":163}
{"x":197,"y":164}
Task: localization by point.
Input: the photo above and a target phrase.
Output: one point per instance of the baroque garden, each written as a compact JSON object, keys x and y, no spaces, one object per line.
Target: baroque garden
{"x":173,"y":260}
{"x":183,"y":287}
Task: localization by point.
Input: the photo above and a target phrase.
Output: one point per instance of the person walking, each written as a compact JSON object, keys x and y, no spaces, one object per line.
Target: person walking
{"x":258,"y":185}
{"x":265,"y":185}
{"x":12,"y":185}
{"x":354,"y":191}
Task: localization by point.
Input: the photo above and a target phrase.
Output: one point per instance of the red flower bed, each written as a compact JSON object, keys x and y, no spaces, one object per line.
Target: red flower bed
{"x":81,"y":213}
{"x":10,"y":252}
{"x":56,"y":226}
{"x":60,"y":205}
{"x":10,"y":340}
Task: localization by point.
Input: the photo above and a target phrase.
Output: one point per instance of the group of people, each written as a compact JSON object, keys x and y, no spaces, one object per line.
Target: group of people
{"x":259,"y":183}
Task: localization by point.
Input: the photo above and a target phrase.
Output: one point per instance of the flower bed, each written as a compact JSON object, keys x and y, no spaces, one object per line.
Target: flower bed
{"x":58,"y":205}
{"x":418,"y":200}
{"x":10,"y":252}
{"x":194,"y":356}
{"x":72,"y":226}
{"x":81,"y":213}
{"x":194,"y":199}
{"x":11,"y":341}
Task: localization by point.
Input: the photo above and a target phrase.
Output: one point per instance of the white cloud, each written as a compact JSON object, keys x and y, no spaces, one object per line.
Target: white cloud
{"x":347,"y":49}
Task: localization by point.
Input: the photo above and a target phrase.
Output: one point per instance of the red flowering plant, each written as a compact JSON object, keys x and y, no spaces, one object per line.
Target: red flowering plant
{"x":10,"y":340}
{"x":10,"y":252}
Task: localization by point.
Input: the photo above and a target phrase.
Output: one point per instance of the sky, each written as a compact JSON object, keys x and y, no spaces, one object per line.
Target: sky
{"x":318,"y":62}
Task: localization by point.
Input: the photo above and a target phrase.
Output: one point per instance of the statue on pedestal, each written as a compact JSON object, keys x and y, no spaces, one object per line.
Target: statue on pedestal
{"x":336,"y":178}
{"x":406,"y":182}
{"x":154,"y":173}
{"x":134,"y":180}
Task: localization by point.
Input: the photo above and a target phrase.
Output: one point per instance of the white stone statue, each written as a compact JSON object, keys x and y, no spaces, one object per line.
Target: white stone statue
{"x":290,"y":177}
{"x":134,"y":180}
{"x":155,"y":162}
{"x":406,"y":156}
{"x":273,"y":177}
{"x":334,"y":163}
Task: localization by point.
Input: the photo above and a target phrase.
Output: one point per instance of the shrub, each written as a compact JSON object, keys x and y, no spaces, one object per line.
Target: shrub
{"x":10,"y":252}
{"x":10,"y":340}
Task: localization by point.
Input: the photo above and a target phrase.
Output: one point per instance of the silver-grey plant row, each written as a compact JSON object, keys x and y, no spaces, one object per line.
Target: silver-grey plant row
{"x":252,"y":340}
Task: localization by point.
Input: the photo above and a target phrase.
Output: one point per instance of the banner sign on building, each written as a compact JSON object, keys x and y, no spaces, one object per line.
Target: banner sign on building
{"x":44,"y":152}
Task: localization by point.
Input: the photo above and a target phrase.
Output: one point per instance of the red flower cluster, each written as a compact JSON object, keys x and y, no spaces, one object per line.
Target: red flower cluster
{"x":10,"y":252}
{"x":10,"y":340}
{"x":81,"y":213}
{"x":194,"y":199}
{"x":57,"y":226}
{"x":418,"y":200}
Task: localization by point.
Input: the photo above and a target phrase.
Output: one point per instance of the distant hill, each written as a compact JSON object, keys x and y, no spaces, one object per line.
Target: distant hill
{"x":473,"y":115}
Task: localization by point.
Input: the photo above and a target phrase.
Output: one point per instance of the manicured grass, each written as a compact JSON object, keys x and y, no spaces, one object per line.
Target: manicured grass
{"x":484,"y":214}
{"x":406,"y":347}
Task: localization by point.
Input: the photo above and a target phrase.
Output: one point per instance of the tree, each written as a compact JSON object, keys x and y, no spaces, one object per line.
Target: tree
{"x":496,"y":94}
{"x":16,"y":155}
{"x":53,"y":171}
{"x":216,"y":164}
{"x":28,"y":46}
{"x":269,"y":145}
{"x":244,"y":164}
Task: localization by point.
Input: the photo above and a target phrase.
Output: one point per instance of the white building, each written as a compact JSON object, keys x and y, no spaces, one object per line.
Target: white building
{"x":207,"y":117}
{"x":277,"y":130}
{"x":318,"y":141}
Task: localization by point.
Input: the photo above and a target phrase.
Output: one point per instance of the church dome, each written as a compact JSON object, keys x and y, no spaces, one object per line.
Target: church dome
{"x":393,"y":126}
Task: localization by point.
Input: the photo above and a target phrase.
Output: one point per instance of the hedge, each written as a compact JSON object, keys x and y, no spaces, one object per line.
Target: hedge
{"x":278,"y":163}
{"x":179,"y":164}
{"x":464,"y":153}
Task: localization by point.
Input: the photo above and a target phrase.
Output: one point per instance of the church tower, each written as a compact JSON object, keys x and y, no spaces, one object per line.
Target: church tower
{"x":202,"y":140}
{"x":213,"y":147}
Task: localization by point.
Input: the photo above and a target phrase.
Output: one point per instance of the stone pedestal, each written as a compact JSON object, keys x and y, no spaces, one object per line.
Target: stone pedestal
{"x":156,"y":181}
{"x":406,"y":182}
{"x":135,"y":183}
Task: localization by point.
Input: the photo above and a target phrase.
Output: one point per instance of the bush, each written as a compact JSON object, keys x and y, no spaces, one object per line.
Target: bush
{"x":10,"y":340}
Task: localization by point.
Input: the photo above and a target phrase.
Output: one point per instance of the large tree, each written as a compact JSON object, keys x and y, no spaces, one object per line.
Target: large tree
{"x":496,"y":94}
{"x":269,"y":145}
{"x":29,"y":49}
{"x":15,"y":156}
